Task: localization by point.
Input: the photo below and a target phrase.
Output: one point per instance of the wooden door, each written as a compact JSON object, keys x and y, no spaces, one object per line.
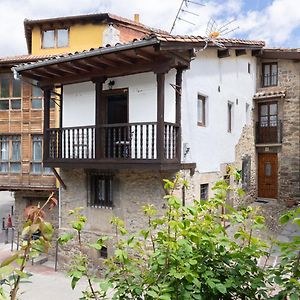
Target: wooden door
{"x":267,"y":175}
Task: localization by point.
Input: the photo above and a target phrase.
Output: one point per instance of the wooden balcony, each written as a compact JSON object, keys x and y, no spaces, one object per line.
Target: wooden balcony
{"x":269,"y":134}
{"x":117,"y":146}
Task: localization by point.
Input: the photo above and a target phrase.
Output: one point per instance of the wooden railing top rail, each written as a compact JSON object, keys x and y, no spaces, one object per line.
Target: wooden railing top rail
{"x":111,"y":125}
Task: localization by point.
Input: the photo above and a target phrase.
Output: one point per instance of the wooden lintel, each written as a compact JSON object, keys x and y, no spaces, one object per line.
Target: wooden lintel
{"x":239,"y":52}
{"x":180,"y":59}
{"x":223,"y":53}
{"x":57,"y":176}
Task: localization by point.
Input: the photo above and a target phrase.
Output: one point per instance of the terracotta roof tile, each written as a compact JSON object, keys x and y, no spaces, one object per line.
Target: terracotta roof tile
{"x":271,"y":92}
{"x":23,"y":58}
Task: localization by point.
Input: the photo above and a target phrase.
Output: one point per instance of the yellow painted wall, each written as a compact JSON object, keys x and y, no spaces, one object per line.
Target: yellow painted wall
{"x":81,"y":37}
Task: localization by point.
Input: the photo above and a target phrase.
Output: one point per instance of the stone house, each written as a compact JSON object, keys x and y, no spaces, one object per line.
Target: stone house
{"x":273,"y":142}
{"x":135,"y":113}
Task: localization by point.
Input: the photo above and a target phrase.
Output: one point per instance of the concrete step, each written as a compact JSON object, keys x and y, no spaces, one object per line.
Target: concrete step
{"x":39,"y":260}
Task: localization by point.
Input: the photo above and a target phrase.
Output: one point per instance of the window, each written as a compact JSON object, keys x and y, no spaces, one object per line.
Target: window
{"x":201,"y":110}
{"x":204,"y":191}
{"x":10,"y":156}
{"x":268,"y":114}
{"x":100,"y":191}
{"x":229,"y":116}
{"x":10,"y":93}
{"x":270,"y":74}
{"x":37,"y":151}
{"x":37,"y":97}
{"x":56,"y":38}
{"x":249,"y":68}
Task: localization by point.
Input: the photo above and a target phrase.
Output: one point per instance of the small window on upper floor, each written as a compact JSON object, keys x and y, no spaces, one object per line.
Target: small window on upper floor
{"x":10,"y":93}
{"x":201,"y":110}
{"x":269,"y":74}
{"x":55,"y":38}
{"x":37,"y":97}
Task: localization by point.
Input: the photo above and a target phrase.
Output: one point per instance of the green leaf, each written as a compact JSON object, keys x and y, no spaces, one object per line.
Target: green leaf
{"x":9,"y":260}
{"x":152,"y":294}
{"x":74,"y":282}
{"x":294,"y":297}
{"x":284,"y":218}
{"x":221,"y":288}
{"x":63,"y":239}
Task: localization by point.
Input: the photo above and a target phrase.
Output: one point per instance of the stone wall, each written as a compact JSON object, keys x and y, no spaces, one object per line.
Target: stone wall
{"x":289,"y":159}
{"x":245,"y":150}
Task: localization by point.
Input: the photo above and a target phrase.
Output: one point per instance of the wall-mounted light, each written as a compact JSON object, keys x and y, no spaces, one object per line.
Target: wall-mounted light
{"x":111,"y":83}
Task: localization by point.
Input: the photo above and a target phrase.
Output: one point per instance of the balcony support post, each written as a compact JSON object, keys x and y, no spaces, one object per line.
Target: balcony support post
{"x":160,"y":149}
{"x":178,"y":91}
{"x":100,"y":118}
{"x":47,"y":98}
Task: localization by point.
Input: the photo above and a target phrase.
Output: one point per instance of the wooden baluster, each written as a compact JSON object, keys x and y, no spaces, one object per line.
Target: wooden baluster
{"x":93,"y":143}
{"x":174,"y":142}
{"x":147,"y":141}
{"x":78,"y":143}
{"x":114,"y":142}
{"x":141,"y":142}
{"x":63,"y":136}
{"x":135,"y":141}
{"x":152,"y":141}
{"x":119,"y":142}
{"x":69,"y":143}
{"x":129,"y":140}
{"x":165,"y":140}
{"x":169,"y":141}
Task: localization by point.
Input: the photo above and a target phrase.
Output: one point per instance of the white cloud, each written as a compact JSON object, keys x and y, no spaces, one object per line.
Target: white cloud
{"x":274,"y":24}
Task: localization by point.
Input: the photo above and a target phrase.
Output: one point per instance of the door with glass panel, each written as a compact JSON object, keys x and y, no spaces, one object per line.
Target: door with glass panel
{"x":268,"y":123}
{"x":267,"y":175}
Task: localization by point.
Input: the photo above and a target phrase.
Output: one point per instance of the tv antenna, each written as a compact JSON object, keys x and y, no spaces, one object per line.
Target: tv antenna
{"x":214,"y":31}
{"x":183,"y":10}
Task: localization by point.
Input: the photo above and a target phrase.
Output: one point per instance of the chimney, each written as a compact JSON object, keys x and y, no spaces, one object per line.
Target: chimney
{"x":137,"y":18}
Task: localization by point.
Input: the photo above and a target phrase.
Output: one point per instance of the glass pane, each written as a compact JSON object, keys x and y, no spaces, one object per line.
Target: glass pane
{"x":48,"y":39}
{"x":264,"y":121}
{"x":15,"y":167}
{"x":36,"y":103}
{"x":273,"y":109}
{"x":264,"y":110}
{"x":4,"y":149}
{"x":16,"y":88}
{"x":268,"y":169}
{"x":3,"y":167}
{"x":4,"y":88}
{"x":267,"y":70}
{"x":200,"y":110}
{"x":62,"y":37}
{"x":273,"y":121}
{"x":15,"y":104}
{"x":36,"y":92}
{"x":36,"y":168}
{"x":37,"y":149}
{"x":48,"y":171}
{"x":4,"y":104}
{"x":16,"y":149}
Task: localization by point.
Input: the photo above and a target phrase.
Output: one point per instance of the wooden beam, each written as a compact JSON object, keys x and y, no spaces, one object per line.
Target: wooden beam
{"x":257,"y":52}
{"x":160,"y":149}
{"x":178,"y":91}
{"x":124,"y":58}
{"x":143,"y":55}
{"x":59,"y":178}
{"x":106,"y":61}
{"x":239,"y":52}
{"x":100,"y":118}
{"x":223,"y":53}
{"x":64,"y":68}
{"x":47,"y":97}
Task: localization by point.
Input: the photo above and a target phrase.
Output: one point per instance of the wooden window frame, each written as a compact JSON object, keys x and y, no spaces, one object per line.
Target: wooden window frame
{"x":271,"y":64}
{"x":11,"y":96}
{"x":41,"y":98}
{"x":44,"y":170}
{"x":10,"y":139}
{"x":202,"y":98}
{"x":55,"y":38}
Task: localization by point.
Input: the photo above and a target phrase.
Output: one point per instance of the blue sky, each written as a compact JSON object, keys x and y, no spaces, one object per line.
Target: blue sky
{"x":275,"y":21}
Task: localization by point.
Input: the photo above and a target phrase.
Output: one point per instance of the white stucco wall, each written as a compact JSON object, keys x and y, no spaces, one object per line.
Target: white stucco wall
{"x":79,"y":99}
{"x":79,"y":104}
{"x":212,"y":145}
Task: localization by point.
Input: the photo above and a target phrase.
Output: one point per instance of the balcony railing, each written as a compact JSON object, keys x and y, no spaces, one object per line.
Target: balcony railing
{"x":112,"y":142}
{"x":269,"y":134}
